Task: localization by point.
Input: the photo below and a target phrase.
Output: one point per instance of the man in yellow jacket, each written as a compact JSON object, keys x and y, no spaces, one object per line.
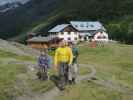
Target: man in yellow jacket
{"x":63,"y":59}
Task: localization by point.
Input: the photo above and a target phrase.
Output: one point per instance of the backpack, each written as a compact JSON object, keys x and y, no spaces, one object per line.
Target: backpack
{"x":75,"y":52}
{"x":49,"y":61}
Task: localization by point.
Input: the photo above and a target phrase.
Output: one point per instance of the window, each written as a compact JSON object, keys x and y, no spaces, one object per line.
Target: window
{"x":81,"y":25}
{"x":92,"y":25}
{"x":75,"y":33}
{"x":69,"y":33}
{"x":75,"y":38}
{"x":104,"y":37}
{"x":99,"y":37}
{"x":62,"y":33}
{"x":69,"y":39}
{"x":76,"y":25}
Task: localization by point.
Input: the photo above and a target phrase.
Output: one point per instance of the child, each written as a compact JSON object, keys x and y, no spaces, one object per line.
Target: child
{"x":44,"y":64}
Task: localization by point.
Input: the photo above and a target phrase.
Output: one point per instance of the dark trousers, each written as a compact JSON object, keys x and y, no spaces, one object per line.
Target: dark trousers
{"x":63,"y":73}
{"x":42,"y":74}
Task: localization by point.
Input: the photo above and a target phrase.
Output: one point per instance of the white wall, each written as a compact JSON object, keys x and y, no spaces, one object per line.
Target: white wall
{"x":104,"y":34}
{"x":71,"y":35}
{"x":83,"y":36}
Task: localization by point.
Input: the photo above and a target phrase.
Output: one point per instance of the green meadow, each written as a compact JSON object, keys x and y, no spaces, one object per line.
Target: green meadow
{"x":16,"y":79}
{"x":113,"y":62}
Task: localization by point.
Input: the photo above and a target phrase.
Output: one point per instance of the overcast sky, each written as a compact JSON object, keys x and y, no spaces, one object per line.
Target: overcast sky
{"x":10,"y":1}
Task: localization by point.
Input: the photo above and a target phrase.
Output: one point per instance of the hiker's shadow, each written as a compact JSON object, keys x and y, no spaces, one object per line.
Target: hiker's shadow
{"x":56,"y":80}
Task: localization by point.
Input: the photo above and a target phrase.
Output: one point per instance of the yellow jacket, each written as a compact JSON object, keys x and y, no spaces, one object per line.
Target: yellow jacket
{"x":63,"y":54}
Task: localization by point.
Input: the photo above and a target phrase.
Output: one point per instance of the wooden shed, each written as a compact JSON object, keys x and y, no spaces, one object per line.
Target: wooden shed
{"x":38,"y":42}
{"x":43,"y":42}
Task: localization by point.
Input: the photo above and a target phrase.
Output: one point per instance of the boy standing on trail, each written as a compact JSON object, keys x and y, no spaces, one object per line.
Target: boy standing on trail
{"x":74,"y":67}
{"x":44,"y":64}
{"x":63,"y":59}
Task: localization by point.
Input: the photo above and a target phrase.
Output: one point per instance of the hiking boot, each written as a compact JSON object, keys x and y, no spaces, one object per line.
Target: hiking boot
{"x":70,"y":82}
{"x":73,"y":81}
{"x":61,"y":87}
{"x":38,"y":75}
{"x":45,"y":78}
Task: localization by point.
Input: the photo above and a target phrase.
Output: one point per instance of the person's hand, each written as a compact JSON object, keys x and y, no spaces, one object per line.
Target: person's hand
{"x":69,"y":65}
{"x":55,"y":67}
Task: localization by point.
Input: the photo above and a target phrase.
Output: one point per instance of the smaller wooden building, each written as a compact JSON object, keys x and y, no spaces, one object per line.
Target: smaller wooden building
{"x":38,"y":42}
{"x":43,"y":42}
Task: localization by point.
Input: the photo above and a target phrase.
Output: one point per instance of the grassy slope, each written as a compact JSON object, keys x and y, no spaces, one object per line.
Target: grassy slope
{"x":15,"y":79}
{"x":8,"y":73}
{"x":39,"y":26}
{"x":113,"y":62}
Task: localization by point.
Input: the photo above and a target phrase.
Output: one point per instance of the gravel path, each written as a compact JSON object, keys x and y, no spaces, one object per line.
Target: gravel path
{"x":91,"y":77}
{"x":52,"y":94}
{"x":113,"y":85}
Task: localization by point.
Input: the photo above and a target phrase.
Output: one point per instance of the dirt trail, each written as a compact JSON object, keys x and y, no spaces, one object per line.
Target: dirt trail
{"x":110,"y":84}
{"x":91,"y":77}
{"x":52,"y":94}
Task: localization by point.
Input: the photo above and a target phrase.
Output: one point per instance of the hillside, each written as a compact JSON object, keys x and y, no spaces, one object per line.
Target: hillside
{"x":111,"y":66}
{"x":42,"y":15}
{"x":19,"y":20}
{"x":17,"y":71}
{"x":18,"y":68}
{"x":116,"y":16}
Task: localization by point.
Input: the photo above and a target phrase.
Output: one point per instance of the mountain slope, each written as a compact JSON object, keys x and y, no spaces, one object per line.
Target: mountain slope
{"x":40,"y":15}
{"x":8,"y":5}
{"x":4,"y":2}
{"x":18,"y":73}
{"x":15,"y":21}
{"x":104,"y":10}
{"x":108,"y":12}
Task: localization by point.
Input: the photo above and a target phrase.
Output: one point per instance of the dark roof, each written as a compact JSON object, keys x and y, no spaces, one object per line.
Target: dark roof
{"x":39,"y":39}
{"x":87,"y":25}
{"x":80,"y":26}
{"x":59,"y":28}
